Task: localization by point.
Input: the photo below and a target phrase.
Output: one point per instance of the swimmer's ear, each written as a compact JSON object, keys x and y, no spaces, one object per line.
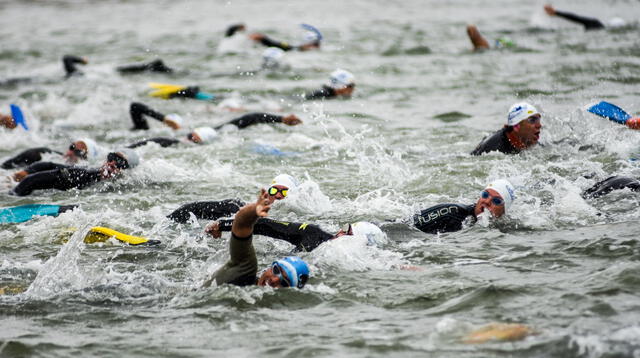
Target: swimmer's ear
{"x":610,"y":111}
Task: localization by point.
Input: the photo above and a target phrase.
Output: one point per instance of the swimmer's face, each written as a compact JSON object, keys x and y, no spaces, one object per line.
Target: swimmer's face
{"x":271,"y":279}
{"x":488,"y":201}
{"x":529,"y":130}
{"x":77,"y":150}
{"x":194,"y":137}
{"x":346,"y":91}
{"x":277,"y":192}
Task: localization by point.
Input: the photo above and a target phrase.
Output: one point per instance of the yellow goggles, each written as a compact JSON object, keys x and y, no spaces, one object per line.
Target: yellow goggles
{"x":273,"y":191}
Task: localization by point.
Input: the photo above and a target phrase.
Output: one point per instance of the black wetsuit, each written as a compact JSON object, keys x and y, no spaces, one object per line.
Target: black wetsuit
{"x":162,"y":141}
{"x":497,"y":141}
{"x":443,"y":218}
{"x":27,"y":157}
{"x":47,"y":175}
{"x":324,"y":92}
{"x":231,"y":30}
{"x":279,"y":44}
{"x":69,"y":62}
{"x":209,"y":210}
{"x":305,"y":237}
{"x":138,"y":111}
{"x":610,"y":184}
{"x":588,"y":23}
{"x":153,"y":66}
{"x":252,"y":119}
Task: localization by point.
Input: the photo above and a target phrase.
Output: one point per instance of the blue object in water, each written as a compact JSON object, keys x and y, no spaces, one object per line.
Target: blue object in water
{"x":204,"y":96}
{"x":610,"y":111}
{"x":18,"y":214}
{"x":18,"y":117}
{"x":312,"y":29}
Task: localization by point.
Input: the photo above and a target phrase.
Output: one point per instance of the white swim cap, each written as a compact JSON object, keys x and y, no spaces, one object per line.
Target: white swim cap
{"x":374,"y":235}
{"x":206,"y":134}
{"x":130,"y":155}
{"x":505,"y":189}
{"x":271,"y":57}
{"x":340,"y":79}
{"x":311,"y":35}
{"x":93,"y":149}
{"x":520,"y":111}
{"x":175,"y":118}
{"x":616,"y":22}
{"x":285,"y":180}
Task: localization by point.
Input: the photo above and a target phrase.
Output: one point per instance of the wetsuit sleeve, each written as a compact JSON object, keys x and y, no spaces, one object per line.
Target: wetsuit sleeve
{"x":587,"y":22}
{"x":138,"y":111}
{"x":44,"y":166}
{"x":252,"y":119}
{"x":610,"y":184}
{"x":242,"y":267}
{"x":442,"y":218}
{"x":162,"y":141}
{"x":279,"y":44}
{"x":324,"y":92}
{"x":27,"y":157}
{"x":64,"y":208}
{"x":153,"y":66}
{"x":60,"y":179}
{"x":496,"y":142}
{"x":69,"y":62}
{"x":210,"y":210}
{"x":305,"y":237}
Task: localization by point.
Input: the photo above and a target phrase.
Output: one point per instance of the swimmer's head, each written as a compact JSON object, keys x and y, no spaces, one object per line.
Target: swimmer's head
{"x":616,"y":22}
{"x":7,"y":121}
{"x":496,"y":198}
{"x":202,"y":135}
{"x":290,"y":271}
{"x":280,"y":186}
{"x":119,"y":160}
{"x":272,"y":58}
{"x":524,"y":120}
{"x":82,"y":149}
{"x":372,"y":232}
{"x":311,"y":38}
{"x":342,"y":82}
{"x":231,"y":30}
{"x":130,"y":156}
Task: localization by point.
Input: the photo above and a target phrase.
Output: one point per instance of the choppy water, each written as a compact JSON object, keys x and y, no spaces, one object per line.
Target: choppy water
{"x":566,"y":267}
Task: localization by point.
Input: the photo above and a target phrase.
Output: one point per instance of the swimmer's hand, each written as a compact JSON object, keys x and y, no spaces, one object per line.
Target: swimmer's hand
{"x":263,"y":204}
{"x":170,"y":123}
{"x":213,"y":229}
{"x":549,"y":10}
{"x":18,"y":176}
{"x":291,"y":120}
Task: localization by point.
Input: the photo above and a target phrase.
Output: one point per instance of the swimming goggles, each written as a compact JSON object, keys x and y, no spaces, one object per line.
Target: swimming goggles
{"x":533,"y":119}
{"x":121,"y":163}
{"x":275,"y":268}
{"x":494,"y":199}
{"x":273,"y":191}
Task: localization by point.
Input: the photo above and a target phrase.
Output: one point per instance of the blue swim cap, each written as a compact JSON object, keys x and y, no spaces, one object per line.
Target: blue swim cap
{"x":297,"y":270}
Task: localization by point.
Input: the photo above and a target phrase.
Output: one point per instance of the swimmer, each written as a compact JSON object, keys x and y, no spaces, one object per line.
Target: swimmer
{"x":522,"y":131}
{"x":341,"y":84}
{"x":496,"y":198}
{"x":69,"y":62}
{"x":80,"y":149}
{"x":310,"y":41}
{"x":242,"y":267}
{"x":588,"y":23}
{"x":610,"y":184}
{"x":47,"y":175}
{"x":213,"y":210}
{"x":304,"y":236}
{"x":480,"y":43}
{"x":7,"y":121}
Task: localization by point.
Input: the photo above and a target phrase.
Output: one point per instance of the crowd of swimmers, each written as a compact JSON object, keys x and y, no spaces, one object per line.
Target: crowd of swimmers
{"x":521,"y":131}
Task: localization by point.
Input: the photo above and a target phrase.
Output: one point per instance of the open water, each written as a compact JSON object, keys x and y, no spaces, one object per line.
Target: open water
{"x":566,"y":267}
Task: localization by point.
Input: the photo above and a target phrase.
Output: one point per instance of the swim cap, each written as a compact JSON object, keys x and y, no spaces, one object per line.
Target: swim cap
{"x":505,"y":189}
{"x":296,"y":269}
{"x":374,"y":235}
{"x":130,"y":155}
{"x":311,"y":35}
{"x":519,"y":112}
{"x":340,"y":79}
{"x":93,"y":150}
{"x":616,"y":22}
{"x":271,"y":57}
{"x":285,"y":180}
{"x":206,"y":134}
{"x":175,"y":118}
